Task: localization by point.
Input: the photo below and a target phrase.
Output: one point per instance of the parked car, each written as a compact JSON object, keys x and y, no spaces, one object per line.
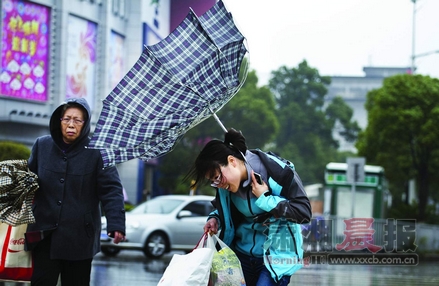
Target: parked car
{"x":162,"y":224}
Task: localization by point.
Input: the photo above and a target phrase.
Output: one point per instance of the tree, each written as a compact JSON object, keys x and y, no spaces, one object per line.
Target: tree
{"x":339,"y":111}
{"x":403,"y":133}
{"x":251,"y":110}
{"x":306,"y":126}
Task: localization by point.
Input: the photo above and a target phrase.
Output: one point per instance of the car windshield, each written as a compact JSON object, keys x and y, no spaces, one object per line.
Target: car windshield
{"x":157,"y":206}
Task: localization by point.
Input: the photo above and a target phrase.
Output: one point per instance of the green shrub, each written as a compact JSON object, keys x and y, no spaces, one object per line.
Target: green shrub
{"x":13,"y":151}
{"x":404,"y":211}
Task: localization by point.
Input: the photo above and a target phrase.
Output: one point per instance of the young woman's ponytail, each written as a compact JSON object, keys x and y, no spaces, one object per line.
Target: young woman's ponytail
{"x":236,"y":141}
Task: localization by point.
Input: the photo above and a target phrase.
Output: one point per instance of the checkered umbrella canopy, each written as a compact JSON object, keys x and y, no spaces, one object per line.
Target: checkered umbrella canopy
{"x":176,"y":84}
{"x":17,"y":189}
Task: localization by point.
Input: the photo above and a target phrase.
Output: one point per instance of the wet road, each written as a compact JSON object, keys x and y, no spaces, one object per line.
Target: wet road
{"x":128,"y":268}
{"x":361,"y":275}
{"x":131,"y":268}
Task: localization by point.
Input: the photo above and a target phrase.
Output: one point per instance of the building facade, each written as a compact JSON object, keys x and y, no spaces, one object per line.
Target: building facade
{"x":354,"y":89}
{"x":56,"y":49}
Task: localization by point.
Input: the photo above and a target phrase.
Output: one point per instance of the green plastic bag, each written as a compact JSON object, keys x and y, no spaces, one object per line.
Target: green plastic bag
{"x":226,"y":268}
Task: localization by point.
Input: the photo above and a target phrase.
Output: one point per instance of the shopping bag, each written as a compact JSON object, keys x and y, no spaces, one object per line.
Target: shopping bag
{"x":226,"y":267}
{"x":191,"y":269}
{"x":15,"y":262}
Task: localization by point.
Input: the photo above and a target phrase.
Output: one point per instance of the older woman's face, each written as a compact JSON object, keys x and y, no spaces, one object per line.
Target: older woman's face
{"x":71,"y":125}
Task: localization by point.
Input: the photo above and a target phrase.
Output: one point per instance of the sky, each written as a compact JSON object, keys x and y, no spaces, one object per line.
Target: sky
{"x":338,"y":37}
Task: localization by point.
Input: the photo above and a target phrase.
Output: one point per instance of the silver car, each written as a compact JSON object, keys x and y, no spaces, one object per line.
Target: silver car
{"x":162,"y":224}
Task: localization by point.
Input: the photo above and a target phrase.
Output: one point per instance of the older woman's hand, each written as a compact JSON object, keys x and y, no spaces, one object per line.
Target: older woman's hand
{"x":118,"y":237}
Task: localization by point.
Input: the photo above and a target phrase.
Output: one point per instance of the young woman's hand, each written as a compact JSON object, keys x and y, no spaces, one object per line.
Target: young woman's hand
{"x":258,"y":189}
{"x":211,"y":226}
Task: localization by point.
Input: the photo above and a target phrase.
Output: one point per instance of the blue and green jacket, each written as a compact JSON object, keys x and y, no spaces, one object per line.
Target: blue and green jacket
{"x":268,"y":226}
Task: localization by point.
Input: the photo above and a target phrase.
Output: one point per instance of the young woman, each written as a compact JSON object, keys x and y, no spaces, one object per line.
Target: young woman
{"x":259,"y":221}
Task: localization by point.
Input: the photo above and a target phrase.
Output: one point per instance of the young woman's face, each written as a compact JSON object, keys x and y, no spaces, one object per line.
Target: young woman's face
{"x":230,"y":176}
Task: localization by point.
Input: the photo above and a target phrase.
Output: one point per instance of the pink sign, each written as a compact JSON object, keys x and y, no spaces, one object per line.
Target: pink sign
{"x":25,"y":46}
{"x":81,"y":59}
{"x":117,"y":64}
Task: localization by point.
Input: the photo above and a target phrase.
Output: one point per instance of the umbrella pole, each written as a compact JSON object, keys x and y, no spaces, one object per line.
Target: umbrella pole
{"x":218,"y":120}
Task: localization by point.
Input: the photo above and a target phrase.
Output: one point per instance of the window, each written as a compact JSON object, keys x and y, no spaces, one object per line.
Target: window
{"x":115,"y":7}
{"x":122,"y":8}
{"x":200,"y":208}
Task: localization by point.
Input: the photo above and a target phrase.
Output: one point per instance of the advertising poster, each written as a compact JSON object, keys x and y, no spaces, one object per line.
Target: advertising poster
{"x":24,"y":50}
{"x":117,"y":63}
{"x":81,"y":59}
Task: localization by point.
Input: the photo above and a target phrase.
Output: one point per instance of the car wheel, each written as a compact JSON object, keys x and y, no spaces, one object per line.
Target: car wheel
{"x":110,"y":251}
{"x":155,"y":245}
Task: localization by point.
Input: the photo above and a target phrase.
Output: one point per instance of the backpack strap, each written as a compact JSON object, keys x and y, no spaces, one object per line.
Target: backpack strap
{"x":278,"y":168}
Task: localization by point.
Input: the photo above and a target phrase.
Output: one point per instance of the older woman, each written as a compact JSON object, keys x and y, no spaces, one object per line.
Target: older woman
{"x":72,"y":185}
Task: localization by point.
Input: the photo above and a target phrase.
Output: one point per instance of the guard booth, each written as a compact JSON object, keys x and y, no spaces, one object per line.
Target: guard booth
{"x":370,"y":194}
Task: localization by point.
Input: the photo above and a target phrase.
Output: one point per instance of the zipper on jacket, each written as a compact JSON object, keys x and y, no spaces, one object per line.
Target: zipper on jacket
{"x":254,"y":241}
{"x":228,"y":198}
{"x":267,"y":253}
{"x":253,"y":226}
{"x":294,"y":240}
{"x":249,"y":201}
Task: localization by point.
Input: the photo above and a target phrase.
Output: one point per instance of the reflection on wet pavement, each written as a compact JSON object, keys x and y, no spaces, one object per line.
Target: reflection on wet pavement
{"x":131,"y":268}
{"x":359,"y":275}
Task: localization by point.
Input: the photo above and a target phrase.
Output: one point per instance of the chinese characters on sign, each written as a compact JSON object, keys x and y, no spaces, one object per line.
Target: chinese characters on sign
{"x":400,"y":235}
{"x":358,"y":235}
{"x":362,"y":241}
{"x":25,"y":48}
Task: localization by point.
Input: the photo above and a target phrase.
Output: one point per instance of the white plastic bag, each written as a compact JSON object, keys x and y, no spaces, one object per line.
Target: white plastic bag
{"x":226,"y":268}
{"x":191,"y":269}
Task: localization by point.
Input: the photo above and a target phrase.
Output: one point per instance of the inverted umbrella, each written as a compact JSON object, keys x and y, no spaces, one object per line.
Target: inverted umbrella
{"x":17,"y":189}
{"x":175,"y":85}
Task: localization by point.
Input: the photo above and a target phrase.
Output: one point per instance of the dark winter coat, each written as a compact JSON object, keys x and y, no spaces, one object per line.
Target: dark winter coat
{"x":72,"y":184}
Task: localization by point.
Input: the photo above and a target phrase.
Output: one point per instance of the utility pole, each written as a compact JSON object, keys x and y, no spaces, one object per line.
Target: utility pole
{"x":414,"y":56}
{"x":355,"y":174}
{"x":413,"y":38}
